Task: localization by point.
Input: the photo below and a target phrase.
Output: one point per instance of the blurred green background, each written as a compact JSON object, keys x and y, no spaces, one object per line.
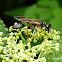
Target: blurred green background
{"x":49,"y":11}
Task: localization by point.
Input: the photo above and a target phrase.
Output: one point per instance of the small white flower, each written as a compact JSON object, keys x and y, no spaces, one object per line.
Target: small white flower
{"x":20,"y":41}
{"x":42,"y":49}
{"x":43,"y":59}
{"x":1,"y":48}
{"x":54,"y":31}
{"x":58,"y":37}
{"x":54,"y":38}
{"x":33,"y":50}
{"x":31,"y":59}
{"x":8,"y":39}
{"x":15,"y":23}
{"x":34,"y":40}
{"x":15,"y":56}
{"x":5,"y":38}
{"x":3,"y":60}
{"x":11,"y":61}
{"x":29,"y":39}
{"x":16,"y":50}
{"x":34,"y":54}
{"x":11,"y":34}
{"x":4,"y":52}
{"x":47,"y":44}
{"x":21,"y":50}
{"x":10,"y":28}
{"x":57,"y":48}
{"x":57,"y":44}
{"x":1,"y":33}
{"x":28,"y":44}
{"x":7,"y":59}
{"x":17,"y":37}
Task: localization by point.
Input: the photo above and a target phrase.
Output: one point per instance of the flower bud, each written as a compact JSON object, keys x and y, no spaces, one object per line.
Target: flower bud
{"x":10,"y":29}
{"x":58,"y":37}
{"x":34,"y":40}
{"x":17,"y":37}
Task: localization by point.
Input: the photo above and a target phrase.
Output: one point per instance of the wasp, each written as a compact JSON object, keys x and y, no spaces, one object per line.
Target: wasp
{"x":33,"y":22}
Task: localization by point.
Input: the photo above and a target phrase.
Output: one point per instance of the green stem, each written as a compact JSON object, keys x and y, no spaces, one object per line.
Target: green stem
{"x":22,"y":37}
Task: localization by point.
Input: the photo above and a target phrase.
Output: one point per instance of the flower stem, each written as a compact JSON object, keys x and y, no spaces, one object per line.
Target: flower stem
{"x":22,"y":37}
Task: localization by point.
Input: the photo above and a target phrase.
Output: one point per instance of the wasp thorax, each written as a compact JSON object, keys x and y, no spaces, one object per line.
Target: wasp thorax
{"x":48,"y":26}
{"x":42,"y":24}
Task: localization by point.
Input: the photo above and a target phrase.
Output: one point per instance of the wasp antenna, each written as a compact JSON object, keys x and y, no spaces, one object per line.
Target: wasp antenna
{"x":18,"y":18}
{"x":15,"y":17}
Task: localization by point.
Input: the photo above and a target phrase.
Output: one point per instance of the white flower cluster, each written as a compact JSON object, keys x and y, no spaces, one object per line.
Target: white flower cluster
{"x":19,"y":48}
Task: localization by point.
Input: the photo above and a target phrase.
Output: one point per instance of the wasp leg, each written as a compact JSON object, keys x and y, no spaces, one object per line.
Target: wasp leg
{"x":18,"y":30}
{"x":48,"y":30}
{"x":22,"y":22}
{"x":36,"y":32}
{"x":27,"y":33}
{"x":45,"y":31}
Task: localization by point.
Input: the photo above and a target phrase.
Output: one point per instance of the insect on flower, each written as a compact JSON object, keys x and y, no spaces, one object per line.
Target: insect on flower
{"x":33,"y":22}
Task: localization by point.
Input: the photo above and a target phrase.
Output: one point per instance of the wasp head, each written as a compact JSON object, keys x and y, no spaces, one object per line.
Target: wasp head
{"x":48,"y":26}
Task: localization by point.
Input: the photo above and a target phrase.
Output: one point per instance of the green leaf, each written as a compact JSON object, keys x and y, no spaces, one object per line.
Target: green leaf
{"x":56,"y":22}
{"x":16,"y":12}
{"x":48,"y":3}
{"x":3,"y":29}
{"x":38,"y":13}
{"x":30,"y":11}
{"x":44,"y":13}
